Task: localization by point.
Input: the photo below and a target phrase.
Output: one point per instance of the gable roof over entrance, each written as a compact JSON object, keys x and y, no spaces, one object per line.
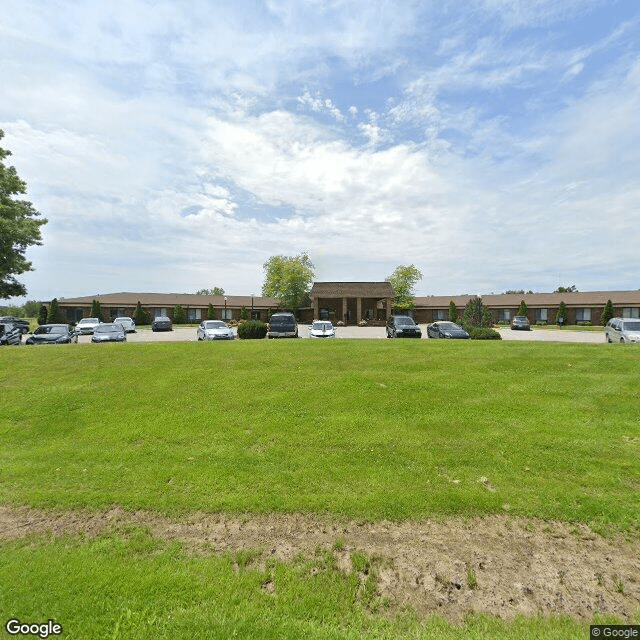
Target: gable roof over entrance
{"x":352,"y":290}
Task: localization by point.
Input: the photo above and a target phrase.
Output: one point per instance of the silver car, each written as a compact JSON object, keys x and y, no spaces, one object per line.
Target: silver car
{"x":625,"y":330}
{"x":215,"y":330}
{"x":87,"y":325}
{"x":128,"y":324}
{"x":109,"y":332}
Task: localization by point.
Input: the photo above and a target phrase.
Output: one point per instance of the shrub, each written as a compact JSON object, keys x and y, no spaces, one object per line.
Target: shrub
{"x":252,"y":330}
{"x":504,"y":323}
{"x":42,"y":314}
{"x":179,"y":315}
{"x":541,"y":323}
{"x":211,"y":312}
{"x":584,"y":323}
{"x":522,"y":309}
{"x":96,"y":310}
{"x":54,"y":313}
{"x":562,"y":315}
{"x":453,"y":312}
{"x":244,"y":314}
{"x":484,"y":333}
{"x":607,"y":313}
{"x":140,"y":316}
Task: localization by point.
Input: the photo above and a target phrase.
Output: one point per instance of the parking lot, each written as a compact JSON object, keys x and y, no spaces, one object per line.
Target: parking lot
{"x":188,"y":334}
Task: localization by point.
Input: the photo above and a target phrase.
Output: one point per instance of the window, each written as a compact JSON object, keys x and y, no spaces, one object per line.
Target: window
{"x":159,"y":312}
{"x":194,"y":314}
{"x":505,"y":314}
{"x":227,"y":314}
{"x":540,"y":315}
{"x":440,"y":314}
{"x":255,"y":315}
{"x":631,"y":312}
{"x":583,"y":314}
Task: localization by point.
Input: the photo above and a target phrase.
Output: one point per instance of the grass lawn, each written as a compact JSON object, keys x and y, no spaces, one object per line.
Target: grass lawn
{"x":359,"y":429}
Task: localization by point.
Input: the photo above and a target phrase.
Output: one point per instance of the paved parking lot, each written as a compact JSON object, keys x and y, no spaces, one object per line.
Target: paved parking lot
{"x":188,"y":334}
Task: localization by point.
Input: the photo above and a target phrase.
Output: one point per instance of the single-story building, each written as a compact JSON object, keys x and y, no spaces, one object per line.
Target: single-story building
{"x":195,"y":306}
{"x":351,"y":302}
{"x":581,"y":306}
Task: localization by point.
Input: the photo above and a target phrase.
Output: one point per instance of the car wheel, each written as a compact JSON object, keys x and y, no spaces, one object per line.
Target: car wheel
{"x":621,"y":340}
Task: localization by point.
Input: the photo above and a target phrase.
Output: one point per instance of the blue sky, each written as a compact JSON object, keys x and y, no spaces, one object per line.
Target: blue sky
{"x":174,"y":146}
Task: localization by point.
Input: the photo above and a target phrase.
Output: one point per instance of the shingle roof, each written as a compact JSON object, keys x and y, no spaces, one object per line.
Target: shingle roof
{"x":352,"y":289}
{"x":129,"y":299}
{"x":541,"y":300}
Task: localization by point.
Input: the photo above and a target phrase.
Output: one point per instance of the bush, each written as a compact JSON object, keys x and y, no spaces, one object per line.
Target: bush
{"x":140,"y":316}
{"x":252,"y":330}
{"x":584,"y":323}
{"x":484,"y":333}
{"x":179,"y":315}
{"x":541,"y":323}
{"x":42,"y":314}
{"x":504,"y":323}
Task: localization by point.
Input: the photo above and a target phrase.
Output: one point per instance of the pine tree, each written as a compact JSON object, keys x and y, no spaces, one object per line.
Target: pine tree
{"x":96,"y":310}
{"x":140,"y":316}
{"x":607,"y":313}
{"x":562,"y":315}
{"x":179,"y":315}
{"x":211,"y":312}
{"x":54,"y":314}
{"x":522,"y":309}
{"x":453,"y":312}
{"x":42,"y":314}
{"x":244,"y":314}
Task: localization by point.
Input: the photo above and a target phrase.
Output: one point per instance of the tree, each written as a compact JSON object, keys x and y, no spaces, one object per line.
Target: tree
{"x":453,"y":312}
{"x":179,"y":315}
{"x":140,"y":316}
{"x":288,"y":279}
{"x":54,"y":313}
{"x":571,"y":289}
{"x":607,"y":313}
{"x":30,"y":308}
{"x":522,"y":309}
{"x":19,"y":229}
{"x":403,"y":280}
{"x":211,"y":312}
{"x":562,"y":314}
{"x":216,"y":291}
{"x":476,"y":320}
{"x":244,"y":314}
{"x":96,"y":310}
{"x":42,"y":314}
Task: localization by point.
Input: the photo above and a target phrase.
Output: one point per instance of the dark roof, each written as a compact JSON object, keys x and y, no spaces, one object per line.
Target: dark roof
{"x":352,"y":290}
{"x":128,"y":299}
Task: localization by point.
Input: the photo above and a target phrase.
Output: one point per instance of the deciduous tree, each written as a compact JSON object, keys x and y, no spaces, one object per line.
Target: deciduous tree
{"x":403,"y":280}
{"x":19,"y":229}
{"x":288,"y":278}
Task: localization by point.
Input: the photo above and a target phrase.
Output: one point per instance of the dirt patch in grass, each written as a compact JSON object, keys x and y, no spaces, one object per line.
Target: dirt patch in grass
{"x":498,"y":565}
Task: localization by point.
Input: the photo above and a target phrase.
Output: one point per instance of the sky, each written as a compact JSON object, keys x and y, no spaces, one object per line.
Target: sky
{"x":177,"y":145}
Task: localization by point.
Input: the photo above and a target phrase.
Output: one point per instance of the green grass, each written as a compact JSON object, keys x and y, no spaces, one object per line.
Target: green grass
{"x":358,"y":429}
{"x":130,"y":585}
{"x":369,"y":429}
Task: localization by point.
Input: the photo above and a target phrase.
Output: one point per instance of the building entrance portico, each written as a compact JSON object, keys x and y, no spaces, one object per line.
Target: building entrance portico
{"x":352,"y":302}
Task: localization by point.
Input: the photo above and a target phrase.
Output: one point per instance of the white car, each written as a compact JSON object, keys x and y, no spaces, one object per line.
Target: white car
{"x":322,"y":329}
{"x":215,"y":330}
{"x":87,"y":325}
{"x":625,"y":330}
{"x":128,"y":324}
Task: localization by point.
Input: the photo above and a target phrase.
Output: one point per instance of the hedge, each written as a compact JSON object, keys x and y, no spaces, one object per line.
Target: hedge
{"x":252,"y":330}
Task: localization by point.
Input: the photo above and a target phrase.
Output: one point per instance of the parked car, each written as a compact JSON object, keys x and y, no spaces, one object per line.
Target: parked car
{"x":128,"y":324}
{"x":52,"y":334}
{"x":215,"y":330}
{"x":21,"y":323}
{"x":109,"y":332}
{"x":87,"y":325}
{"x":446,"y":330}
{"x":10,"y":333}
{"x":520,"y":322}
{"x":282,"y":325}
{"x":625,"y":330}
{"x":322,"y":329}
{"x":402,"y":327}
{"x":162,"y":323}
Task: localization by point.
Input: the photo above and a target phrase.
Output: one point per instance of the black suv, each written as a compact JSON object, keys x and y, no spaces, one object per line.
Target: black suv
{"x":10,"y":333}
{"x":21,"y":323}
{"x":282,"y":325}
{"x":402,"y":327}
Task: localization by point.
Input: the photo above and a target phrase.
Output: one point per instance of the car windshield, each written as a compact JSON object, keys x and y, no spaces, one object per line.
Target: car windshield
{"x":108,"y":328}
{"x":51,"y":328}
{"x":88,"y":321}
{"x":282,"y":320}
{"x":448,"y":326}
{"x":127,"y":320}
{"x":322,"y":326}
{"x":521,"y":319}
{"x":631,"y":326}
{"x":215,"y":324}
{"x":405,"y":321}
